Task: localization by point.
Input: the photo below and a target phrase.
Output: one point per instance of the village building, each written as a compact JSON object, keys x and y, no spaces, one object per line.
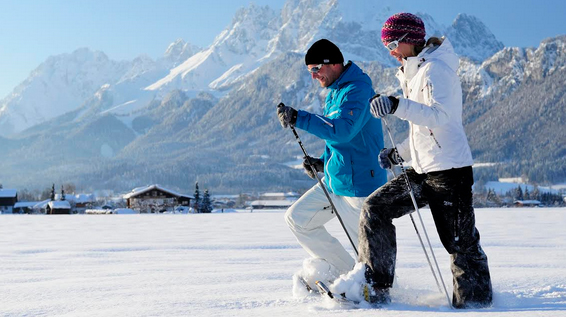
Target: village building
{"x":58,"y":207}
{"x":527,"y":203}
{"x":224,"y":201}
{"x":24,"y":207}
{"x":8,"y":198}
{"x":79,"y":202}
{"x":154,"y":198}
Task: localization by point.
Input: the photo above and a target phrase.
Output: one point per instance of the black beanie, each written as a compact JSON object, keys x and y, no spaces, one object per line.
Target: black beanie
{"x":324,"y":52}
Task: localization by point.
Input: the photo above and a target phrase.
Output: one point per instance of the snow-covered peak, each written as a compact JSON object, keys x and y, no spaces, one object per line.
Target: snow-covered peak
{"x":355,"y":26}
{"x":175,"y":48}
{"x":178,"y":52}
{"x":549,"y":57}
{"x":471,"y":38}
{"x":257,"y":34}
{"x":507,"y":69}
{"x":513,"y":65}
{"x":139,"y":66}
{"x":236,"y":51}
{"x":58,"y":85}
{"x":249,"y":31}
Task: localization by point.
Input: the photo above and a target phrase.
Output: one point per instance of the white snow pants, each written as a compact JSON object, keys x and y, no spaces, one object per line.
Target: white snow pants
{"x":308,"y":215}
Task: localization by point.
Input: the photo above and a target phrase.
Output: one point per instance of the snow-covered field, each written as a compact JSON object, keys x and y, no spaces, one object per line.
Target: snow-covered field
{"x":241,"y":264}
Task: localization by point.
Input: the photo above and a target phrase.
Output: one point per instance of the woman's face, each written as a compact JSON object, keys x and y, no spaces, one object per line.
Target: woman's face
{"x":403,"y":50}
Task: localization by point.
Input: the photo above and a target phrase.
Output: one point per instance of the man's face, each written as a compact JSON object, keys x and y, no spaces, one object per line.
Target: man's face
{"x":326,"y":74}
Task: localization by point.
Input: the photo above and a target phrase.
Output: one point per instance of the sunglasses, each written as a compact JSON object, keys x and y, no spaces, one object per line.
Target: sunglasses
{"x":315,"y":69}
{"x":394,"y":44}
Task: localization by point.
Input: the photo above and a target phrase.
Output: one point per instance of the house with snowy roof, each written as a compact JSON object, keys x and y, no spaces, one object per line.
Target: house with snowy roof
{"x":527,"y":203}
{"x":58,"y":207}
{"x":8,"y":198}
{"x":155,"y":198}
{"x":79,"y":202}
{"x":24,"y":207}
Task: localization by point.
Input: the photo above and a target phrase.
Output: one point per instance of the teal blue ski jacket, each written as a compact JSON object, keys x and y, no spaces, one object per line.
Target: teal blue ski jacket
{"x":352,"y":135}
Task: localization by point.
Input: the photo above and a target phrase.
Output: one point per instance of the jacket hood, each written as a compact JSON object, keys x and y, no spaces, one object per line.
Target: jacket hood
{"x":444,"y":52}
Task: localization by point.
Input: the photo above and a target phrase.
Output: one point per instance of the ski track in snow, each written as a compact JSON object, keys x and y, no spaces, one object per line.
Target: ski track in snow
{"x":241,"y":264}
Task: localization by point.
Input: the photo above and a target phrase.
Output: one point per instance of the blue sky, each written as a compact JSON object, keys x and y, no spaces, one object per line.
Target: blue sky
{"x":32,"y":30}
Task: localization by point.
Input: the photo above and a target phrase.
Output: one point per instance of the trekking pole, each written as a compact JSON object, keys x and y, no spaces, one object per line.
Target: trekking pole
{"x":313,"y":169}
{"x":412,"y":194}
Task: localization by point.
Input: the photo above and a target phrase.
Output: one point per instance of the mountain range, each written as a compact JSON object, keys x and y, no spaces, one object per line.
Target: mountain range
{"x":208,"y":114}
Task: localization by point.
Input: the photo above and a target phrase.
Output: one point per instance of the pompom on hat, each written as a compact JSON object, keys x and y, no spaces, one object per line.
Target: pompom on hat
{"x":400,"y":24}
{"x":324,"y":52}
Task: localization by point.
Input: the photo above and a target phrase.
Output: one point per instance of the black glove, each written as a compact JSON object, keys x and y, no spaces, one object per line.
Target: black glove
{"x":380,"y":106}
{"x":287,"y":115}
{"x":389,"y":157}
{"x":317,"y":163}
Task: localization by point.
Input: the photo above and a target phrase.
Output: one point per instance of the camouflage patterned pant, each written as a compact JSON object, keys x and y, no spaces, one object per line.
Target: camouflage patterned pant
{"x":449,"y":196}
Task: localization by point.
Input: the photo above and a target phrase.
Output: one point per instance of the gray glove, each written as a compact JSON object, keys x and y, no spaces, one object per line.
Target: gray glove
{"x":389,"y":157}
{"x":317,"y":163}
{"x":380,"y":106}
{"x":287,"y":115}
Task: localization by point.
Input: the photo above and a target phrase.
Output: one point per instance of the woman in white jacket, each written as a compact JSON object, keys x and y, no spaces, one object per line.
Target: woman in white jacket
{"x":440,"y":174}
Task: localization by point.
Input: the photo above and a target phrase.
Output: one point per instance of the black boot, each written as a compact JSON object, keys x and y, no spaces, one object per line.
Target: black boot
{"x":373,"y":292}
{"x":376,"y":295}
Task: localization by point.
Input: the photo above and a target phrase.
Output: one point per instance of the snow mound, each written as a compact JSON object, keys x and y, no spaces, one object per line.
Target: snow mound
{"x":351,"y":283}
{"x":314,"y":269}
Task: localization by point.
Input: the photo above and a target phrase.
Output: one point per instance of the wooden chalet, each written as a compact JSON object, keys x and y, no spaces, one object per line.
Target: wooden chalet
{"x":154,"y":198}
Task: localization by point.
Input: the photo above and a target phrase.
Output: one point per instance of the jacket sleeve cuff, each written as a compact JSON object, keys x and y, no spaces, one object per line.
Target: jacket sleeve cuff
{"x":402,"y":108}
{"x":303,"y":119}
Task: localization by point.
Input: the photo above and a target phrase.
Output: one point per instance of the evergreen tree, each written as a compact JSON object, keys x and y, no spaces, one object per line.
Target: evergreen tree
{"x":493,"y":197}
{"x":196,"y":203}
{"x":52,"y":197}
{"x":519,"y":193}
{"x":206,"y":203}
{"x":527,"y":194}
{"x":550,"y":199}
{"x":536,"y":193}
{"x":490,"y":195}
{"x":62,"y":193}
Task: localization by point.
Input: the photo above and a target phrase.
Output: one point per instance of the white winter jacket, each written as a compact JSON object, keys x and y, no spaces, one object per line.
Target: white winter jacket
{"x":433,"y":107}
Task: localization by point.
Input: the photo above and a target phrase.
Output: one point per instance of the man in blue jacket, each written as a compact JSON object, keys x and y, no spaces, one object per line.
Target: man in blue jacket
{"x":350,"y":163}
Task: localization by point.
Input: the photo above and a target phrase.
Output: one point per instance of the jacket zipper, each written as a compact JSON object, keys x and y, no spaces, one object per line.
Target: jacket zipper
{"x":429,"y":90}
{"x":434,"y":138}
